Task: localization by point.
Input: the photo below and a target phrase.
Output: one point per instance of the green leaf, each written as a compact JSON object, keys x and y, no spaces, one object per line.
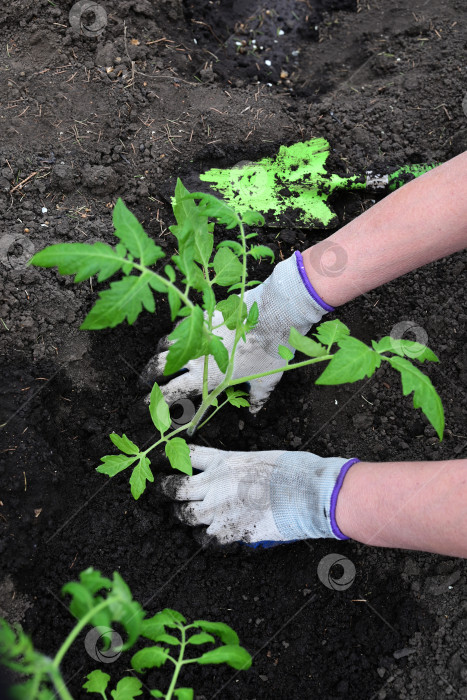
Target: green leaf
{"x":229,"y":309}
{"x":114,"y":464}
{"x":159,"y":410}
{"x":178,"y":454}
{"x":330,"y":332}
{"x":209,"y":300}
{"x":233,"y":245}
{"x":425,"y":395}
{"x":201,"y":638}
{"x":133,"y":236}
{"x":233,"y":655}
{"x":234,"y":397}
{"x":188,"y":341}
{"x":261,"y":251}
{"x":252,"y":318}
{"x":167,"y":618}
{"x":97,"y":682}
{"x":140,"y":475}
{"x":124,"y":444}
{"x":93,"y":580}
{"x":285,"y":353}
{"x":216,"y":209}
{"x":204,"y":243}
{"x":353,"y":361}
{"x":81,"y":259}
{"x":306,"y":345}
{"x":253,"y":218}
{"x":227,"y":267}
{"x":124,"y":299}
{"x":184,"y":693}
{"x":167,"y":639}
{"x":127,"y":689}
{"x":220,"y":353}
{"x":82,"y":600}
{"x":225,"y":633}
{"x":156,"y":694}
{"x":404,"y":348}
{"x":150,"y":657}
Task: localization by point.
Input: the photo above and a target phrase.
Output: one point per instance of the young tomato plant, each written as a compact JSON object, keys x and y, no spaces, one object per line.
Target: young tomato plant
{"x":101,"y":602}
{"x":201,"y":269}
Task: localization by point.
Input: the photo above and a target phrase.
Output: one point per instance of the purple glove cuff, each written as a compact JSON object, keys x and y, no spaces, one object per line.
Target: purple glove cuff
{"x":308,"y":285}
{"x":335,"y":494}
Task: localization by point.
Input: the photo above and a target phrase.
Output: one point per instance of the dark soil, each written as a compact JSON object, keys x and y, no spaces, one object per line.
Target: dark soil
{"x":165,"y":90}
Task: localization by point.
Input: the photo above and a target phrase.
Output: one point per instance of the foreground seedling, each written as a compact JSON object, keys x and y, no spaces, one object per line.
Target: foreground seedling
{"x":101,"y":603}
{"x":200,"y":270}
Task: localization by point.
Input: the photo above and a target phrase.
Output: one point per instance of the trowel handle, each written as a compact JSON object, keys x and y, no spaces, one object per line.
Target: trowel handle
{"x":394,"y":180}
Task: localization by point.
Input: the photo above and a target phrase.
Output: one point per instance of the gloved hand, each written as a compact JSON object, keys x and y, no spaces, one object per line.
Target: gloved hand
{"x":260,"y":497}
{"x":285,"y":299}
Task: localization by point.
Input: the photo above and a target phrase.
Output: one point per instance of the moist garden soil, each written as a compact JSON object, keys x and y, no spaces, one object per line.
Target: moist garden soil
{"x":172,"y":88}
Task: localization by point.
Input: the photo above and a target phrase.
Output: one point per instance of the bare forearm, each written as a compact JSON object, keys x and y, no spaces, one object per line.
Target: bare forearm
{"x":423,"y":221}
{"x":408,"y":505}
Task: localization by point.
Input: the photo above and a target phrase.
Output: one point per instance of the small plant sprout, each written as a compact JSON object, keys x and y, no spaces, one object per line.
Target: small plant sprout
{"x":101,"y":602}
{"x":202,"y":268}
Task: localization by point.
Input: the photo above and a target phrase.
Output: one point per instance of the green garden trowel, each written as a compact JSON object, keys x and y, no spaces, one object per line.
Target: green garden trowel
{"x":292,"y":188}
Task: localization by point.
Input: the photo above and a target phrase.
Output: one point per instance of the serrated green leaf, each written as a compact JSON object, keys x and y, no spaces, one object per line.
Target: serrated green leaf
{"x":261,"y":251}
{"x":178,"y":454}
{"x":201,"y":638}
{"x":216,"y":209}
{"x":220,"y":629}
{"x":404,"y":348}
{"x":114,"y":464}
{"x":253,"y":218}
{"x":233,"y":245}
{"x":124,"y":299}
{"x":184,"y":693}
{"x":285,"y":353}
{"x":159,"y":410}
{"x":209,"y":300}
{"x":133,"y":236}
{"x":82,"y":600}
{"x":188,"y":340}
{"x":167,"y":618}
{"x":124,"y":444}
{"x":150,"y":657}
{"x":330,"y":332}
{"x":204,"y":243}
{"x":227,"y":267}
{"x":234,"y":397}
{"x":252,"y":318}
{"x":229,"y":309}
{"x":233,"y":655}
{"x":127,"y":689}
{"x":93,"y":580}
{"x":80,"y":259}
{"x":353,"y":361}
{"x":97,"y":682}
{"x":217,"y":349}
{"x":306,"y":345}
{"x":140,"y":475}
{"x":425,"y":395}
{"x":126,"y":611}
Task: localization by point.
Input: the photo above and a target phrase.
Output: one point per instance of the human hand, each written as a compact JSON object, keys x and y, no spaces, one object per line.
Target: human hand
{"x":284,"y":300}
{"x":259,"y":497}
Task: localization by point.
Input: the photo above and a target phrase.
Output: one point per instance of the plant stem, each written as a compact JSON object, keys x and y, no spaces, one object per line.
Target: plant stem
{"x":77,"y":629}
{"x":178,"y":664}
{"x":296,"y":365}
{"x":60,"y":685}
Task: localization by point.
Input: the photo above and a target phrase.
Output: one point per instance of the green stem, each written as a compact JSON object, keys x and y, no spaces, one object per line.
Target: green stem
{"x":77,"y":629}
{"x":60,"y":685}
{"x":183,"y":296}
{"x":178,"y":664}
{"x":165,"y":438}
{"x":296,"y":365}
{"x":212,"y":414}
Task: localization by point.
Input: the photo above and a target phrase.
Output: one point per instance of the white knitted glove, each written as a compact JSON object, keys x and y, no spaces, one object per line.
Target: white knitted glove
{"x":284,"y":300}
{"x":260,"y":498}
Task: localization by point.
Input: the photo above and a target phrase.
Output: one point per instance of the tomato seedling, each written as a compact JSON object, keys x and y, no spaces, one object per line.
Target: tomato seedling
{"x":101,"y":602}
{"x":201,"y":269}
